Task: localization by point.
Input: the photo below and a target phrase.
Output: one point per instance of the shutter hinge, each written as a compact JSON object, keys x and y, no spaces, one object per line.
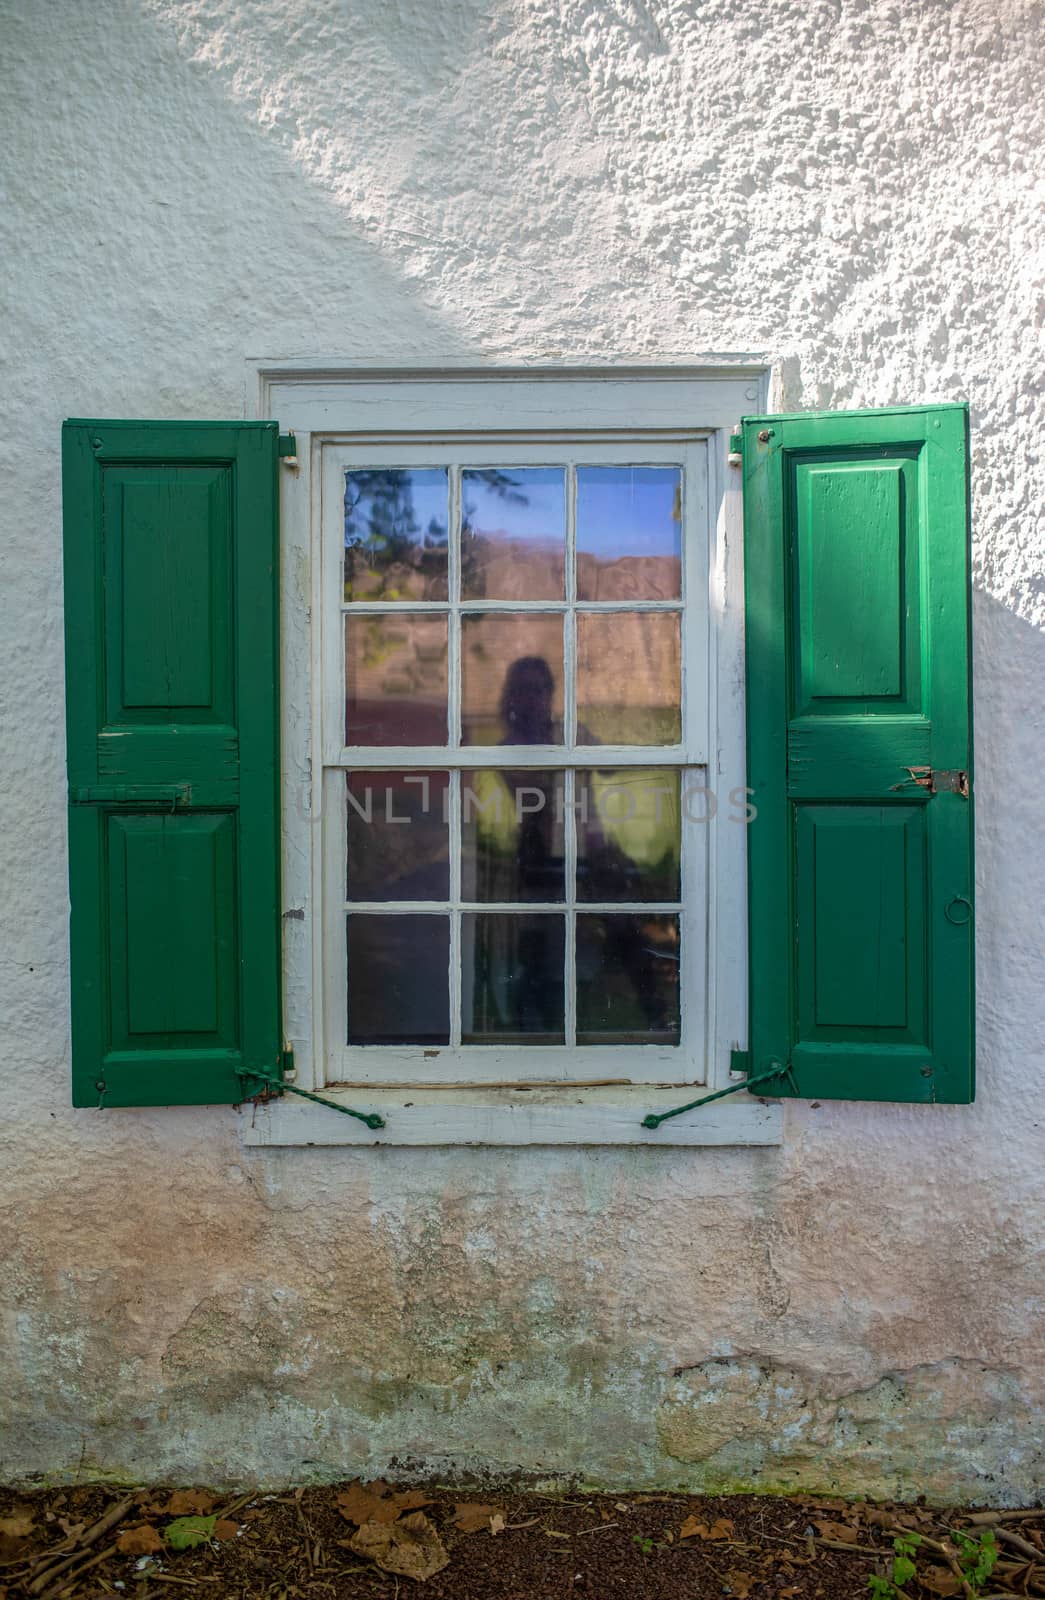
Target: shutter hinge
{"x":286,"y":1065}
{"x":736,"y":450}
{"x":740,"y":1061}
{"x":938,"y":780}
{"x":288,"y":449}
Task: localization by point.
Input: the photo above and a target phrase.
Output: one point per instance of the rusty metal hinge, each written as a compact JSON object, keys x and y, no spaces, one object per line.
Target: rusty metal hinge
{"x":938,"y":780}
{"x":288,"y":449}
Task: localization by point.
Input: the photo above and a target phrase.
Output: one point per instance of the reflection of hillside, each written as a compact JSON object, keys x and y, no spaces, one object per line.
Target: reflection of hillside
{"x":421,"y":579}
{"x":494,"y":566}
{"x":395,"y":680}
{"x":628,"y":577}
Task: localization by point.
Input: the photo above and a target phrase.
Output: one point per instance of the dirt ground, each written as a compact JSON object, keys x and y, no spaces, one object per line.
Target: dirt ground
{"x":382,"y":1542}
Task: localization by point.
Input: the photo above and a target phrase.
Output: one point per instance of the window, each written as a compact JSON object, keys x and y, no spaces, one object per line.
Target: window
{"x":511,"y":762}
{"x":497,"y":891}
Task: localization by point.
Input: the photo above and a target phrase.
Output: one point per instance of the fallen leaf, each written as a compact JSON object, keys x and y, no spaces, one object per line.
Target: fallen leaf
{"x":20,"y":1526}
{"x":187,"y":1503}
{"x":410,"y":1548}
{"x":376,"y":1502}
{"x":844,"y":1532}
{"x":792,"y":1588}
{"x":496,"y":1523}
{"x":693,"y":1528}
{"x":188,"y":1532}
{"x":253,"y":1516}
{"x":225,"y":1528}
{"x":619,"y":1505}
{"x":71,"y":1529}
{"x":472,"y":1516}
{"x":939,"y":1580}
{"x":143,"y":1541}
{"x":740,"y":1583}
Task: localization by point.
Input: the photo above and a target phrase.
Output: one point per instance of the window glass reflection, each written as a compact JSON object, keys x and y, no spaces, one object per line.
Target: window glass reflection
{"x":398,"y":835}
{"x":511,"y":663}
{"x":629,"y":533}
{"x":396,"y":526}
{"x":395,"y":679}
{"x":512,"y":988}
{"x":398,"y":978}
{"x":629,"y":840}
{"x":629,"y":677}
{"x":627,"y":979}
{"x":512,"y":834}
{"x":513,"y":533}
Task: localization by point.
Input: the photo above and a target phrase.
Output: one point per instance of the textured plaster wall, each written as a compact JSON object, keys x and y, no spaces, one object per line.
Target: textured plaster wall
{"x":846,"y":187}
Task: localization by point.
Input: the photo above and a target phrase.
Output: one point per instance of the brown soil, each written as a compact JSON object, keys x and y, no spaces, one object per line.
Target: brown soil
{"x":295,"y":1546}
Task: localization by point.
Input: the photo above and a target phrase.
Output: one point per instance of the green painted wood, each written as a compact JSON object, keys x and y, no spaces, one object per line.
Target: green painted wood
{"x":171,"y":593}
{"x":858,"y":654}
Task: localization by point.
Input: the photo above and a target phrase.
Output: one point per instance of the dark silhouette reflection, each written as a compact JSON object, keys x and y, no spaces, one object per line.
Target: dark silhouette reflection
{"x":627,"y":831}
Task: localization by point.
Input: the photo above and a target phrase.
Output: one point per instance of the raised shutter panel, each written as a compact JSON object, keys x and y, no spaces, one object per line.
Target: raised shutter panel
{"x":171,"y":608}
{"x":857,"y":637}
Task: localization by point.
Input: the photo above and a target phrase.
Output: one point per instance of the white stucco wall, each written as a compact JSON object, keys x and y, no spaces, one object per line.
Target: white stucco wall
{"x":845,"y":187}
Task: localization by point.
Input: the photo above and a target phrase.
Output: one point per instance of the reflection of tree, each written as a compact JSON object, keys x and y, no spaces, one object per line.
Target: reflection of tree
{"x":474,"y":547}
{"x":382,"y":532}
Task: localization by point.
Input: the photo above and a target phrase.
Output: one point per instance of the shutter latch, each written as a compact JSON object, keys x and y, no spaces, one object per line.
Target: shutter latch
{"x":288,"y":450}
{"x":938,"y":780}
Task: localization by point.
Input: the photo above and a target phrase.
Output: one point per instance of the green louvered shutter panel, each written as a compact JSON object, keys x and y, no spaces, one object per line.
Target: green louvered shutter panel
{"x":856,"y":538}
{"x":171,"y":607}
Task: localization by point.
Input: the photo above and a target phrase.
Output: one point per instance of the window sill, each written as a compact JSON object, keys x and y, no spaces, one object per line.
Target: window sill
{"x":540,"y":1116}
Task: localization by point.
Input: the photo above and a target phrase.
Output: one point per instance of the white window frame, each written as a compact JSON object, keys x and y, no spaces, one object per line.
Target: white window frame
{"x":340,"y":416}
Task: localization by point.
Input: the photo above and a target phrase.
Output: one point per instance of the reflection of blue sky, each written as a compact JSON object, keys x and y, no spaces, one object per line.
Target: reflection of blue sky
{"x":403,"y":500}
{"x":628,"y":511}
{"x":488,"y":510}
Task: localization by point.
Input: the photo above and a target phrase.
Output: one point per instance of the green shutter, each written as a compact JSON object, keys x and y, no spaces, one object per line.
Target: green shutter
{"x":857,"y":636}
{"x":171,"y":620}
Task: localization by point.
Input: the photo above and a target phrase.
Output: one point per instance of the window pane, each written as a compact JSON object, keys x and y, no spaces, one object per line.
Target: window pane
{"x":513,"y":533}
{"x":629,"y":684}
{"x":627,"y":979}
{"x":512,"y":979}
{"x":395,"y":679}
{"x":512,"y":836}
{"x":398,"y":979}
{"x":511,"y":664}
{"x":628,"y":834}
{"x":396,"y":522}
{"x":398,"y":836}
{"x":629,"y":533}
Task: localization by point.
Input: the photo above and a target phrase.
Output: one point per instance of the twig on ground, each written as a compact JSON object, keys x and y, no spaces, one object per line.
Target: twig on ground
{"x":46,"y":1569}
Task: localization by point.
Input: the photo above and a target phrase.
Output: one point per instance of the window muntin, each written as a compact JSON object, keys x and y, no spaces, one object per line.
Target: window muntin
{"x":569,"y":898}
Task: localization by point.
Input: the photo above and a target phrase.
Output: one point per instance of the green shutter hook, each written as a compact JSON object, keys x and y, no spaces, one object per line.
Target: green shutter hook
{"x":654,"y":1119}
{"x":372,"y":1119}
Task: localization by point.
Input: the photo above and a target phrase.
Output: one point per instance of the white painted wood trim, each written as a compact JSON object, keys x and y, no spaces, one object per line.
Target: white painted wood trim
{"x":332,"y":401}
{"x":566,"y":1116}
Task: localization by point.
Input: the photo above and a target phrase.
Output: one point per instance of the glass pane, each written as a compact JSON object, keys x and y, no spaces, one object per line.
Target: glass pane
{"x":627,"y":979}
{"x":398,"y":836}
{"x":629,"y":683}
{"x":395,"y":679}
{"x":513,"y":533}
{"x":396,"y":522}
{"x":512,"y":978}
{"x":512,"y":836}
{"x":628,"y":834}
{"x":398,"y":979}
{"x":629,"y":533}
{"x":511,"y":664}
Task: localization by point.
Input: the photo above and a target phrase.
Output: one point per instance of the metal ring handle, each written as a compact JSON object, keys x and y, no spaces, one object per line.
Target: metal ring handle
{"x":959,"y":900}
